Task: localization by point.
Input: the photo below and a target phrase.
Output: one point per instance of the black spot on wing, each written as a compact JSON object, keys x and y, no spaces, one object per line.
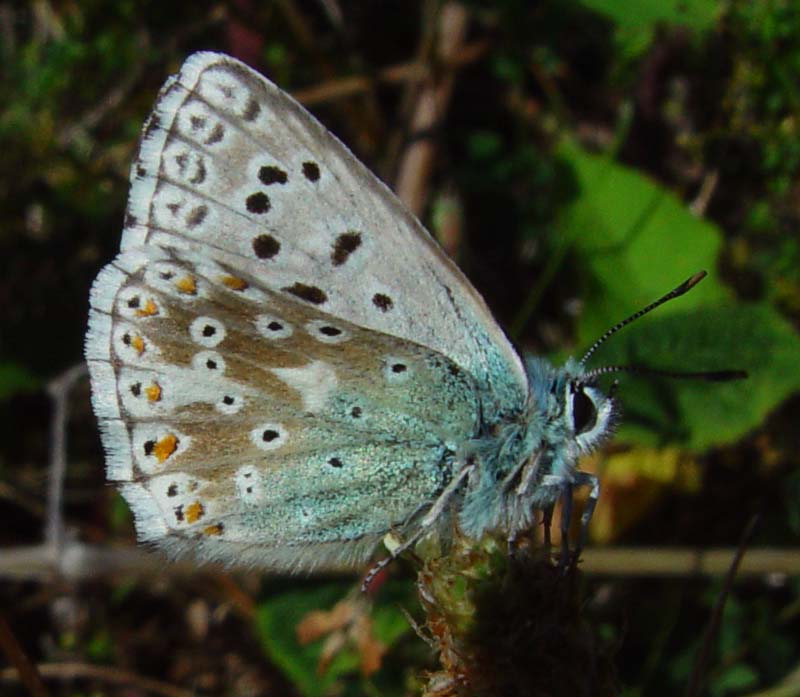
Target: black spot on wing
{"x":269,"y":174}
{"x":311,"y":294}
{"x":216,"y":134}
{"x":266,"y":246}
{"x":199,"y":175}
{"x":344,"y":245}
{"x":258,"y":203}
{"x":382,"y":302}
{"x":311,"y":171}
{"x":252,"y":110}
{"x":196,"y":216}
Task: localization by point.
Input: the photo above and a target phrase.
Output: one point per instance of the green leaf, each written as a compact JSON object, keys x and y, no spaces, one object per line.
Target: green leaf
{"x":635,"y":241}
{"x":389,"y":624}
{"x":630,"y":15}
{"x":700,"y":414}
{"x":484,"y":144}
{"x":735,"y":678}
{"x":14,"y":378}
{"x":276,"y":621}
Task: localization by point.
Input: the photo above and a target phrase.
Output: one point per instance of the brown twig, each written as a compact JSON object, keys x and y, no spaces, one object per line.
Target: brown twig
{"x":83,"y":562}
{"x":108,"y":674}
{"x":707,"y":190}
{"x":417,"y":161}
{"x":30,"y":504}
{"x":409,"y":72}
{"x":683,"y":562}
{"x":700,"y":667}
{"x":241,"y":601}
{"x":363,"y":118}
{"x":59,"y":390}
{"x":16,"y":656}
{"x":8,"y":38}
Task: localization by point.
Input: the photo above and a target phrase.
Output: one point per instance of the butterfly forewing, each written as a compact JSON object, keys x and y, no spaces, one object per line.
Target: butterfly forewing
{"x":249,"y":426}
{"x":232,"y":168}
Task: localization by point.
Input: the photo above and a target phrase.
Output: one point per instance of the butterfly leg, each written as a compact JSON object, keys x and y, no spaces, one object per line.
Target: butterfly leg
{"x":566,"y":517}
{"x":590,"y":480}
{"x":564,"y":488}
{"x":547,"y":520}
{"x":425,"y":524}
{"x":530,"y":472}
{"x":526,"y":472}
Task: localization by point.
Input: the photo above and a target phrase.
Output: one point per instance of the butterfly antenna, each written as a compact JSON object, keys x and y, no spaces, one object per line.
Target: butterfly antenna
{"x":687,"y":285}
{"x":707,"y":375}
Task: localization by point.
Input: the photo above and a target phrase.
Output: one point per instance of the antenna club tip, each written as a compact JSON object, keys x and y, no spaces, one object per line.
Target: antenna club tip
{"x":688,"y":284}
{"x":694,"y":280}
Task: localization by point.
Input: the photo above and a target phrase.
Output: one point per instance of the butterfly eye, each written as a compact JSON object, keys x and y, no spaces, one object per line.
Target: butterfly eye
{"x":584,"y":413}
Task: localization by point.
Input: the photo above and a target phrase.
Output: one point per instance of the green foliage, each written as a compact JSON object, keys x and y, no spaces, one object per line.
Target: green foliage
{"x":639,"y":15}
{"x":517,"y":173}
{"x":100,"y":647}
{"x":14,"y":379}
{"x":634,"y":240}
{"x":635,"y":22}
{"x":764,"y":95}
{"x":761,"y":117}
{"x":277,"y":620}
{"x":700,"y":414}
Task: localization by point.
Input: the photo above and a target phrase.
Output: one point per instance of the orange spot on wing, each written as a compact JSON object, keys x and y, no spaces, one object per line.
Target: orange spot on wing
{"x":193,"y":512}
{"x":234,"y":282}
{"x":186,"y":285}
{"x":213,"y":530}
{"x":149,"y":309}
{"x":137,"y":344}
{"x":153,"y":392}
{"x":165,"y":447}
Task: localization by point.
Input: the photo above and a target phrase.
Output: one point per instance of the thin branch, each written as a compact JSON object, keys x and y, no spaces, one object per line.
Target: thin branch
{"x":59,"y":390}
{"x":16,"y":656}
{"x":8,"y":37}
{"x":707,"y":190}
{"x":415,"y":167}
{"x":84,"y":562}
{"x":700,"y":667}
{"x":334,"y":12}
{"x":362,"y":117}
{"x":108,"y":674}
{"x":683,"y":562}
{"x":412,"y":71}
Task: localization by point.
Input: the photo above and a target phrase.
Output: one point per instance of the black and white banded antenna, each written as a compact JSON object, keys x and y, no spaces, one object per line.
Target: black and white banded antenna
{"x":710,"y":375}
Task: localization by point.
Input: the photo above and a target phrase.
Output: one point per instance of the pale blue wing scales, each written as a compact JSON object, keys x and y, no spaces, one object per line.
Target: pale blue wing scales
{"x":251,"y":427}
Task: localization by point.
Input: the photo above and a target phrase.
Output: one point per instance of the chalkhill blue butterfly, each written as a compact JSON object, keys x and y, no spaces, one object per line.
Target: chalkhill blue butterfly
{"x":286,"y":367}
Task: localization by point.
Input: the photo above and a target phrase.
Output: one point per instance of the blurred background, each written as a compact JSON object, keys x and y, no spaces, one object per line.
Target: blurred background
{"x":578,"y":158}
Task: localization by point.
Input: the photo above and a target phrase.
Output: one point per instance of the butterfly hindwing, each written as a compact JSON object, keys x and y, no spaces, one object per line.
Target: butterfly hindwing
{"x":233,"y":168}
{"x":250,"y":426}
